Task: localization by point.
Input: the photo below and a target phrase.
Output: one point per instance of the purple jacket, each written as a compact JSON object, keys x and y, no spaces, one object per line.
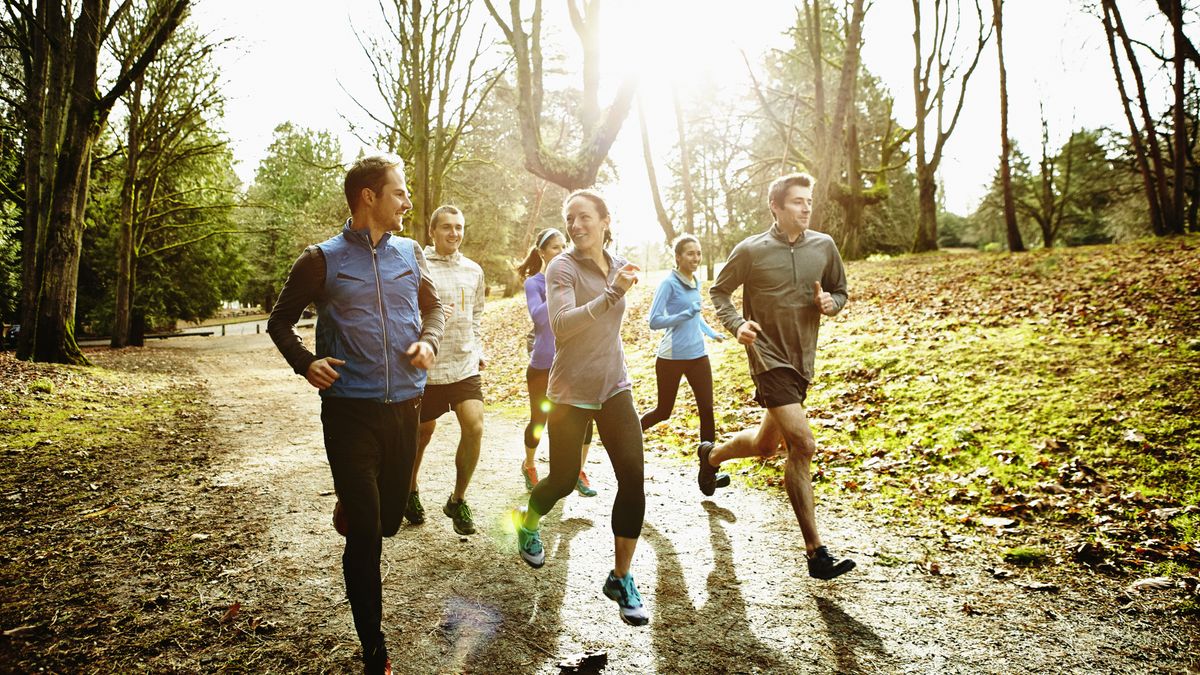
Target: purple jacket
{"x":543,"y":338}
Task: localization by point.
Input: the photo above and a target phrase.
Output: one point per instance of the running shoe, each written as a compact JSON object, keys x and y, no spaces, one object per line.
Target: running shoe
{"x":529,"y":542}
{"x":583,"y":486}
{"x":822,"y":565}
{"x":340,"y":522}
{"x":415,"y":512}
{"x":623,"y":590}
{"x":707,"y":476}
{"x":529,"y":473}
{"x":460,"y":513}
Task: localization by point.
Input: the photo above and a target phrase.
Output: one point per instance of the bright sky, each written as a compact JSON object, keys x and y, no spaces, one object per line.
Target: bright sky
{"x":293,"y":58}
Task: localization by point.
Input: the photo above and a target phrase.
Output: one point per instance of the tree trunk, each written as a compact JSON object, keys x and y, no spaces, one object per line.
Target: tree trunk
{"x":579,"y":170}
{"x":926,"y":239}
{"x":685,"y":167}
{"x":125,"y":243}
{"x":664,"y":220}
{"x":1010,"y":208}
{"x":853,"y":203}
{"x":55,"y":328}
{"x":1176,"y":219}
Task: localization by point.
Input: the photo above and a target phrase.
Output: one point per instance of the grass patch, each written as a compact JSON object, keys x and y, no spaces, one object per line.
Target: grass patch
{"x":1025,"y":556}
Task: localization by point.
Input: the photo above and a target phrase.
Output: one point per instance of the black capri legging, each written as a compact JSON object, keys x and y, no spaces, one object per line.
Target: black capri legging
{"x":616,"y":420}
{"x":539,"y":406}
{"x":699,"y":377}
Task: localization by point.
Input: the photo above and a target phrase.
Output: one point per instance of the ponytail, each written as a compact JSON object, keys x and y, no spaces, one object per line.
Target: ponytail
{"x":533,"y":260}
{"x":531,"y":265}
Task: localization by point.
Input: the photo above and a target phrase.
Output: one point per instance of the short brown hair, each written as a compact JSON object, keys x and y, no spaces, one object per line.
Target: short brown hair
{"x":781,"y":185}
{"x":444,"y":208}
{"x":371,"y":173}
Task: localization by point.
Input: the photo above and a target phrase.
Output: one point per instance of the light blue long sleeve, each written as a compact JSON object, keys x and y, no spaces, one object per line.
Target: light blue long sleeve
{"x":676,"y":309}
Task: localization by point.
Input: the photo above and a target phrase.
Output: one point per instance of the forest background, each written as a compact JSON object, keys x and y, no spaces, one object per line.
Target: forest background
{"x":123,"y":207}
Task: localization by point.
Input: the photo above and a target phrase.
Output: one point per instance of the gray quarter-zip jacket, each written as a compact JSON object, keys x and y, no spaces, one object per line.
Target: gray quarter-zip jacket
{"x":777,"y":293}
{"x":585,"y":314}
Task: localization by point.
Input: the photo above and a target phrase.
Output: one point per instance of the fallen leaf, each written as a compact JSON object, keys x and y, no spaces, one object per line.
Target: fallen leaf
{"x":1151,"y":584}
{"x":232,"y":612}
{"x":101,"y":512}
{"x":992,"y":521}
{"x":591,"y":661}
{"x":1038,"y":586}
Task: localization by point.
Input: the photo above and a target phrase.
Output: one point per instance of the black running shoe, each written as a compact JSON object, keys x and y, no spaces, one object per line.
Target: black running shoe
{"x":460,"y":513}
{"x":414,"y":511}
{"x":824,"y":566}
{"x":707,"y":476}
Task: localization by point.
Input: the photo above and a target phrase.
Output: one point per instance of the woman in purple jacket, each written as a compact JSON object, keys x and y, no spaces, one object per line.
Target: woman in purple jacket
{"x":548,"y":243}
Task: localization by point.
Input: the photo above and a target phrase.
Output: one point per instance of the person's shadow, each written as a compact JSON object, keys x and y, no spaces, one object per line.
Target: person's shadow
{"x":525,"y":609}
{"x":712,"y":638}
{"x":851,"y":641}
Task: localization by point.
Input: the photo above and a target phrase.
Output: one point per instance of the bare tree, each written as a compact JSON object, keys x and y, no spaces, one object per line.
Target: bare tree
{"x":65,"y":110}
{"x":1052,"y":193}
{"x":599,"y":129}
{"x":433,"y":86}
{"x":1165,"y":197}
{"x":1010,"y":208}
{"x":934,"y":74}
{"x":165,"y":128}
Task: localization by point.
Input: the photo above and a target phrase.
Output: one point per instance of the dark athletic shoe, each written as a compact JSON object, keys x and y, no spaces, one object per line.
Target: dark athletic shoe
{"x":824,"y":566}
{"x":460,"y":513}
{"x":415,"y":512}
{"x":707,"y":476}
{"x":625,"y":592}
{"x":722,"y":480}
{"x":340,"y":522}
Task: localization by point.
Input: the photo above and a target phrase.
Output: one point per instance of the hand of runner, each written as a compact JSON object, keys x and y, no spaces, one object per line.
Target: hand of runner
{"x":420,"y":355}
{"x":321,"y":373}
{"x":821,"y":299}
{"x":747,"y":333}
{"x":627,"y":277}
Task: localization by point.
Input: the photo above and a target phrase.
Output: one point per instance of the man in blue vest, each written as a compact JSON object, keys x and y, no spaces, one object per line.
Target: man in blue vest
{"x":379,"y":322}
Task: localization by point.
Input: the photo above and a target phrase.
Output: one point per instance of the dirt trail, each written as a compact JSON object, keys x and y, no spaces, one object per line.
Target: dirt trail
{"x":724,"y":578}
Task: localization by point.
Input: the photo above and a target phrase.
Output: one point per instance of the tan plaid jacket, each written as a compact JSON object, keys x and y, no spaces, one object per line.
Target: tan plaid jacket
{"x":460,"y":286}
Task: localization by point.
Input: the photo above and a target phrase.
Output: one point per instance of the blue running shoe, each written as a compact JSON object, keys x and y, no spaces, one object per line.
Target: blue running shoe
{"x":529,"y":543}
{"x":623,"y":590}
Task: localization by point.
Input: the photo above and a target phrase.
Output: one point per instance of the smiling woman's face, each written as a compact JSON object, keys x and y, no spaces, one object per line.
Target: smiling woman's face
{"x":585,"y":224}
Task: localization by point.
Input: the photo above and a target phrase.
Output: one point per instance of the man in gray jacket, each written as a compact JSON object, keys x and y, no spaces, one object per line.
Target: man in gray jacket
{"x":790,"y":276}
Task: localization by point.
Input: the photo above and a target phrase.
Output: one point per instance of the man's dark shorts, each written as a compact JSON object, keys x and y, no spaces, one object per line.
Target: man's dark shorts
{"x":441,"y":398}
{"x":778,"y":387}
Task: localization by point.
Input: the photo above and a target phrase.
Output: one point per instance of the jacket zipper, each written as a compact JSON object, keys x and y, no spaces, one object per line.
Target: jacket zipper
{"x":387,"y":369}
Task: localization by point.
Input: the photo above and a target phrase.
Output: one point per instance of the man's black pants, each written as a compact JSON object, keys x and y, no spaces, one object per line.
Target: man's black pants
{"x":371,"y":447}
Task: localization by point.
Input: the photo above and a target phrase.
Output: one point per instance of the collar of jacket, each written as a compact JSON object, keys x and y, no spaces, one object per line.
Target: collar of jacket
{"x":778,"y":234}
{"x":362,"y":235}
{"x":578,"y":255}
{"x":432,"y":254}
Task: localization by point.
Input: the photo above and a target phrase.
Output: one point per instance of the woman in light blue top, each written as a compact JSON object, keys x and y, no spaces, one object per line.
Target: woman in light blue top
{"x":681,"y":353}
